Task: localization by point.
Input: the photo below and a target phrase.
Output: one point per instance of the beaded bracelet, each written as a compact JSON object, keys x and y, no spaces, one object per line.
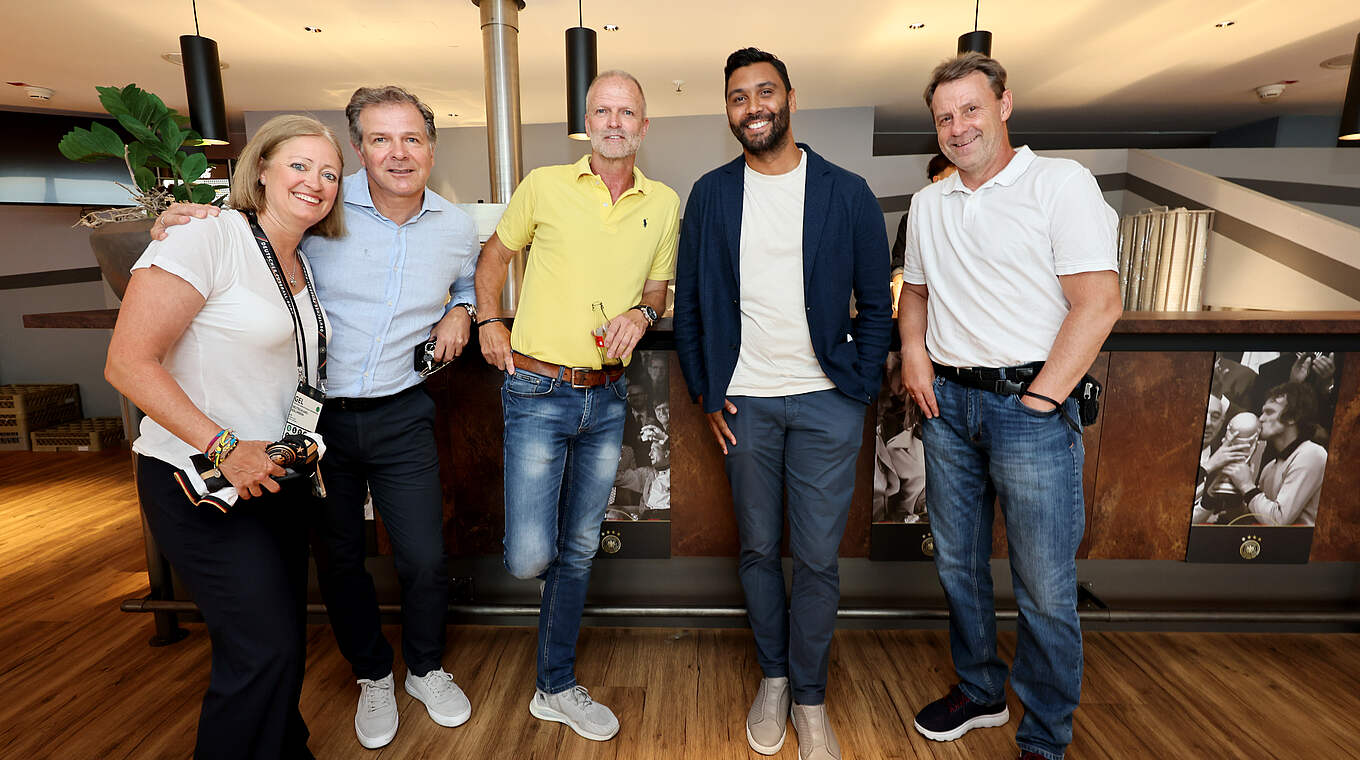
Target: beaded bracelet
{"x":222,"y":445}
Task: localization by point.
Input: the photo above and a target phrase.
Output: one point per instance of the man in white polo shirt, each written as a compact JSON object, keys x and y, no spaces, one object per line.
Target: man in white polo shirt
{"x":1011,"y":289}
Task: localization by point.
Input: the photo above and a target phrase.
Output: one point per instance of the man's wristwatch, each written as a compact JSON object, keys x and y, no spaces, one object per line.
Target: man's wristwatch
{"x":648,"y":313}
{"x":471,"y":309}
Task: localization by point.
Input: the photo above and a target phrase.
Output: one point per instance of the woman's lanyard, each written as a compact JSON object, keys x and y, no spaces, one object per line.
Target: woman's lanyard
{"x":299,"y":342}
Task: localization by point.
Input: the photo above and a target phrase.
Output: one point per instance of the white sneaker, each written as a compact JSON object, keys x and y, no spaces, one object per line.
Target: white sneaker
{"x":768,"y":720}
{"x":375,"y":721}
{"x":575,"y":708}
{"x":444,"y":701}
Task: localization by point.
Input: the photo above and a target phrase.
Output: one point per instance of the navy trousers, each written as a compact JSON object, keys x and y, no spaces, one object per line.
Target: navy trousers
{"x":247,"y":571}
{"x":804,"y":446}
{"x":388,"y":448}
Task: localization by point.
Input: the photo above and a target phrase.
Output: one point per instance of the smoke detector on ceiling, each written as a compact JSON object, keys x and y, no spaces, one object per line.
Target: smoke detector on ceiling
{"x":39,"y":94}
{"x":1268,"y":92}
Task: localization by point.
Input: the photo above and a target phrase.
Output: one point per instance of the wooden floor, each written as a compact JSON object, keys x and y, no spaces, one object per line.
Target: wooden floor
{"x":81,"y":682}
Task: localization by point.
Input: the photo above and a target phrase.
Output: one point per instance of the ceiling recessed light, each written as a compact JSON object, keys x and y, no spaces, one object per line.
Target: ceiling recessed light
{"x":178,"y":60}
{"x":1342,"y":61}
{"x":312,"y":29}
{"x":1224,"y":24}
{"x":611,"y":27}
{"x":917,"y":25}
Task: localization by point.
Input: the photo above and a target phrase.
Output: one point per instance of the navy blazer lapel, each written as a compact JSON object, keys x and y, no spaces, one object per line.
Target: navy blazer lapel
{"x":733,"y":193}
{"x":816,"y":202}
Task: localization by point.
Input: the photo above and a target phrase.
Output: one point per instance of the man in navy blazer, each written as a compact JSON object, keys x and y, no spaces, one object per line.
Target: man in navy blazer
{"x":774,"y":247}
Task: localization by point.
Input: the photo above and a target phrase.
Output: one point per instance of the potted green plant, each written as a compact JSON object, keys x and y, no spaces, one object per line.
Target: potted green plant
{"x":162,"y":172}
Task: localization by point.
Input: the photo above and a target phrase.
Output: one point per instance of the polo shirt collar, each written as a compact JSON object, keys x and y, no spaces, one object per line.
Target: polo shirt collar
{"x":640,"y":181}
{"x":356,"y":192}
{"x":1007,"y":176}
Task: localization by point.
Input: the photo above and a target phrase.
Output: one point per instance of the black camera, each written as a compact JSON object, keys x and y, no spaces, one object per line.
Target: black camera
{"x":296,"y":454}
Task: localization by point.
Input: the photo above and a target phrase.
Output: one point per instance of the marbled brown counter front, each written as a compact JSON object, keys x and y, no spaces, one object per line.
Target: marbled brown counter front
{"x":1337,"y":534}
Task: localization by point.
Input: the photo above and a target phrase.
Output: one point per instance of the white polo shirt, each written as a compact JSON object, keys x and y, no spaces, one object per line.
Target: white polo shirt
{"x":991,"y":257}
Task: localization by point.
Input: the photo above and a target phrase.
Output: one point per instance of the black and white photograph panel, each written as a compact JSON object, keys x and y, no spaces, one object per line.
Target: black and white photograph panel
{"x":1267,"y":430}
{"x":901,"y":524}
{"x":642,"y":488}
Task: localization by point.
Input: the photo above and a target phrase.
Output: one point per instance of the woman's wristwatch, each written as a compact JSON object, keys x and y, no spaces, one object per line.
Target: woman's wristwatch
{"x":648,"y":313}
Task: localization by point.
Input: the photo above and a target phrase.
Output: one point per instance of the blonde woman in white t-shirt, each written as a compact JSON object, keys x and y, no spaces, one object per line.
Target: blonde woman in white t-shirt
{"x":209,"y":348}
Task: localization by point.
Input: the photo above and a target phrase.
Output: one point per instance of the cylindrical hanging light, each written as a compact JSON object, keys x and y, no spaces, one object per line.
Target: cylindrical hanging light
{"x":976,"y":41}
{"x":582,"y":65}
{"x":1350,"y":112}
{"x":203,"y":83}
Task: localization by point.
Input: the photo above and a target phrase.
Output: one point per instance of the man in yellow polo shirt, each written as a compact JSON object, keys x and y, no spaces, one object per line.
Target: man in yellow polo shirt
{"x":603,"y":239}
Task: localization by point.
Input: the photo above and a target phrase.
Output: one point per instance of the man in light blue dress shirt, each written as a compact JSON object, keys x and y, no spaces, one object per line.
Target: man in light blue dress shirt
{"x":402,"y":274}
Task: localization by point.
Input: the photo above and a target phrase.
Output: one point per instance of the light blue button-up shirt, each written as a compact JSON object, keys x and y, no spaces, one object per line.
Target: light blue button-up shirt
{"x":384,"y":286}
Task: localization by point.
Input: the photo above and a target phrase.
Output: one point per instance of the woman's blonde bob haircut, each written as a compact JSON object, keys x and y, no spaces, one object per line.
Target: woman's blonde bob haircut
{"x":247,"y":194}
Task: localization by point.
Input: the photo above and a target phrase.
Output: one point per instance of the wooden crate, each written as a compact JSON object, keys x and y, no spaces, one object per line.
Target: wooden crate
{"x":94,"y":434}
{"x":26,"y":408}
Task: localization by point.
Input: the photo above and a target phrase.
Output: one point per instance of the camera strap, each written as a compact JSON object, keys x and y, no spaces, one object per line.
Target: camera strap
{"x":299,"y":342}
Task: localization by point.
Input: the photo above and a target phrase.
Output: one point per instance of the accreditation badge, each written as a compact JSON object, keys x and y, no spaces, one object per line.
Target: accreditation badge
{"x":306,"y":410}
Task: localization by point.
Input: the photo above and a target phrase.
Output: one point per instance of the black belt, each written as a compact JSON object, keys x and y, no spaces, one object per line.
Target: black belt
{"x":1010,"y":381}
{"x":372,"y":402}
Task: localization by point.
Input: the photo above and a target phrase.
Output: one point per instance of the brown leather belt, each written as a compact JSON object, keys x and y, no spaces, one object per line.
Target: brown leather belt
{"x":577,"y":377}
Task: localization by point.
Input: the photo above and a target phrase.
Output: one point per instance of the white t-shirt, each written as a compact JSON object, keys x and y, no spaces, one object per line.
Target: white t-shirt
{"x":236,"y":360}
{"x":991,"y":258}
{"x":776,"y":356}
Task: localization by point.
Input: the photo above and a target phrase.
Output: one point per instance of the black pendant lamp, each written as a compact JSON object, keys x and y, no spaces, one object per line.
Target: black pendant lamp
{"x":976,"y":41}
{"x":203,"y":82}
{"x":582,"y":66}
{"x":1350,"y":112}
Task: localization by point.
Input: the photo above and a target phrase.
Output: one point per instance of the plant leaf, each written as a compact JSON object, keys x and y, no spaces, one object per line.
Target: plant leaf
{"x":91,"y":144}
{"x":146,"y":179}
{"x":137,"y":155}
{"x":195,"y":164}
{"x":180,"y":192}
{"x":137,"y":129}
{"x":201,"y":193}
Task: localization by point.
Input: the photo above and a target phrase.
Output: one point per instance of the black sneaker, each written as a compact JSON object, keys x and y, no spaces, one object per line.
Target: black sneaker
{"x":954,"y":715}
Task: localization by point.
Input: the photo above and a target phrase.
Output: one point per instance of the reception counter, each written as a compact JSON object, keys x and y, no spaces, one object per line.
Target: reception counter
{"x":1141,"y":455}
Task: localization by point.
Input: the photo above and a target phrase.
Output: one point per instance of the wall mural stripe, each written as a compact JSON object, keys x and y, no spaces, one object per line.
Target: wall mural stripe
{"x":51,"y":277}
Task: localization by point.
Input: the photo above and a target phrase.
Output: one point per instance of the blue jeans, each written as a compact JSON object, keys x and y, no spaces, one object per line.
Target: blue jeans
{"x":561,"y":454}
{"x":983,"y":446}
{"x":804,"y":446}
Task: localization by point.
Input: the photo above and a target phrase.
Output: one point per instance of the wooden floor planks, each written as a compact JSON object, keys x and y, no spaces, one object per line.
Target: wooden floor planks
{"x":84,"y":684}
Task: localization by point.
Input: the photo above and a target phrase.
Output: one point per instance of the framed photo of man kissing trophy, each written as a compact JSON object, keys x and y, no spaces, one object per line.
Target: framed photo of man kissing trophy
{"x":1267,"y":431}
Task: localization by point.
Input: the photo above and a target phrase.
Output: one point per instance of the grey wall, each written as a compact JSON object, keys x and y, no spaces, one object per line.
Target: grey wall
{"x":1325,"y":180}
{"x":39,"y":239}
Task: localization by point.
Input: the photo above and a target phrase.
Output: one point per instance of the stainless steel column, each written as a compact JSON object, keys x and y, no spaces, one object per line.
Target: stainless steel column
{"x":500,"y":61}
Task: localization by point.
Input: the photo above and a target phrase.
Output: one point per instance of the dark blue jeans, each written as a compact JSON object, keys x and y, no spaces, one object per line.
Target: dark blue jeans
{"x":561,"y":454}
{"x":806,"y":446}
{"x":983,"y":446}
{"x":390,"y":450}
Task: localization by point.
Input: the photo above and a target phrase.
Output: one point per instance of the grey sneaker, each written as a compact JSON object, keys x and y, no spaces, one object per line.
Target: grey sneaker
{"x":444,"y":701}
{"x":768,"y":721}
{"x":375,"y":721}
{"x":816,"y":740}
{"x":575,"y":708}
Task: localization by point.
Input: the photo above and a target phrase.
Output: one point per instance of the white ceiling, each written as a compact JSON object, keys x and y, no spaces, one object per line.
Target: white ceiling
{"x":1074,"y":64}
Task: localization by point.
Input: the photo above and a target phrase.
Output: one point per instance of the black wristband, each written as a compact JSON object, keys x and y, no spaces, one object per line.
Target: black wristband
{"x":1042,"y":397}
{"x":1249,"y":495}
{"x":489,"y":320}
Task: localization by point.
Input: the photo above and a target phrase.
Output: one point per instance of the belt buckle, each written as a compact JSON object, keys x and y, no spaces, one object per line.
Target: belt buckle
{"x":585,"y":372}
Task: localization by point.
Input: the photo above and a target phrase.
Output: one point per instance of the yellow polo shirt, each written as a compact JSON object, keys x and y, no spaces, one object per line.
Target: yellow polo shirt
{"x":585,"y":250}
